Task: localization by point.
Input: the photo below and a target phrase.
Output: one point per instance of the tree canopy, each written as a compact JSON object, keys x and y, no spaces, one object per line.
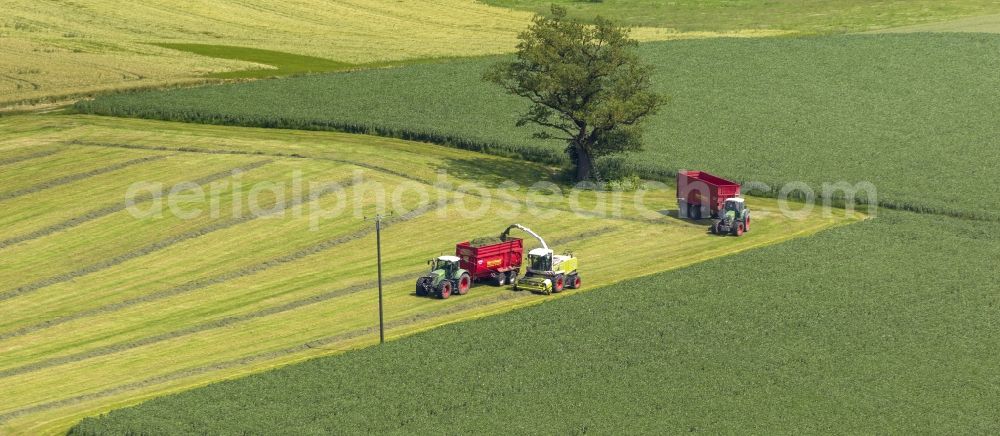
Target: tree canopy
{"x":586,"y":85}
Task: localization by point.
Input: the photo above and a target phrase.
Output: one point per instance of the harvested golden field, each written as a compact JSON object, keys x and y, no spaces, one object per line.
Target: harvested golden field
{"x":57,"y":49}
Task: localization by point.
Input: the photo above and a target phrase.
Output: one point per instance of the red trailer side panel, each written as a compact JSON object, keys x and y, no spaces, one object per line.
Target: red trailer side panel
{"x":699,"y":188}
{"x":486,"y":260}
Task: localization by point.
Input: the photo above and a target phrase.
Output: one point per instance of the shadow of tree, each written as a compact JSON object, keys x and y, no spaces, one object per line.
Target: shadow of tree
{"x":491,"y":172}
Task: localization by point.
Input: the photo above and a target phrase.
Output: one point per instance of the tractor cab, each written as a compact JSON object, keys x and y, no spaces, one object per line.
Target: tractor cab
{"x":736,"y":205}
{"x":545,"y":261}
{"x":540,"y":260}
{"x":446,"y":264}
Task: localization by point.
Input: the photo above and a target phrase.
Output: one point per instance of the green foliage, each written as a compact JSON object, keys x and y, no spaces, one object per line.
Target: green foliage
{"x":803,"y":16}
{"x":893,"y":110}
{"x":585,"y":83}
{"x":804,"y":328}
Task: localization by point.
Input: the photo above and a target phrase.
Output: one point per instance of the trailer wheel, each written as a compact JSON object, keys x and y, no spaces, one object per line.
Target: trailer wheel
{"x":690,"y":211}
{"x":464,"y":283}
{"x":421,"y":290}
{"x":512,"y":277}
{"x":697,"y":213}
{"x":558,"y":283}
{"x":444,"y":289}
{"x":501,"y":279}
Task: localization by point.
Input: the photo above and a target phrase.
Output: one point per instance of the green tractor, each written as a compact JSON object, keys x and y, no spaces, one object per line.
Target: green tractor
{"x":445,"y":277}
{"x":734,"y":219}
{"x":549,"y":272}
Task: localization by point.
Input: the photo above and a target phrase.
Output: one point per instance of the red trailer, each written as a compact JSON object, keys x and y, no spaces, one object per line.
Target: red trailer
{"x":700,"y":193}
{"x":499,"y":262}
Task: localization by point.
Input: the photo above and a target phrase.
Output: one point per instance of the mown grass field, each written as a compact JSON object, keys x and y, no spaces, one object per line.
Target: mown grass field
{"x":887,"y":326}
{"x":806,"y":17}
{"x":892,"y":110}
{"x":103,"y":309}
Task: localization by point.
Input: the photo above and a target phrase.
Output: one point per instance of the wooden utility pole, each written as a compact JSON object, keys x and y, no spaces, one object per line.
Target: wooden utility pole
{"x":378,"y":251}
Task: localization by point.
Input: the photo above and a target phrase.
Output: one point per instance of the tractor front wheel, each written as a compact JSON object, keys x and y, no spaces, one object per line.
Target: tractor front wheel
{"x":421,"y":290}
{"x":444,"y":290}
{"x":464,"y":283}
{"x":558,"y":283}
{"x":739,"y":229}
{"x":746,"y":224}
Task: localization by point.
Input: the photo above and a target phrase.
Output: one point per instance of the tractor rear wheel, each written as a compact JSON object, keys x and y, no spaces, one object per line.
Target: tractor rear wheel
{"x":558,"y":283}
{"x":421,"y":290}
{"x":444,"y":289}
{"x":464,"y":283}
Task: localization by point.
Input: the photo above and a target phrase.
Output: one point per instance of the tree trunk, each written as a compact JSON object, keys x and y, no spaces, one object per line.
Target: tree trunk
{"x":584,"y":163}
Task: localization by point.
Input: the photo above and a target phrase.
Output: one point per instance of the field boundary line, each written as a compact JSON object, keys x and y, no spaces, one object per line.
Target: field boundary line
{"x":77,"y":177}
{"x":35,"y":155}
{"x":118,"y":207}
{"x":158,"y":246}
{"x":201,"y":283}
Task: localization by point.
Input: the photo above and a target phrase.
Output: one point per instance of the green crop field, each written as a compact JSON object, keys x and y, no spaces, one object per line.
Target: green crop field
{"x":801,"y":16}
{"x":103,"y":309}
{"x":888,"y":326}
{"x":892,"y":110}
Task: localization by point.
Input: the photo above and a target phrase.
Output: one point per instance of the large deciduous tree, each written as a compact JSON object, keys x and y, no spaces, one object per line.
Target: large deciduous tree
{"x":586,"y":85}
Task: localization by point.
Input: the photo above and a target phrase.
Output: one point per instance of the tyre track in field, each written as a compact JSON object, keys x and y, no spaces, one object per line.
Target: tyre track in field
{"x":198,"y":328}
{"x":228,"y":321}
{"x":35,"y":155}
{"x":118,"y":207}
{"x":77,"y":177}
{"x":160,"y":245}
{"x":260,"y":357}
{"x":224,"y":277}
{"x":581,"y":213}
